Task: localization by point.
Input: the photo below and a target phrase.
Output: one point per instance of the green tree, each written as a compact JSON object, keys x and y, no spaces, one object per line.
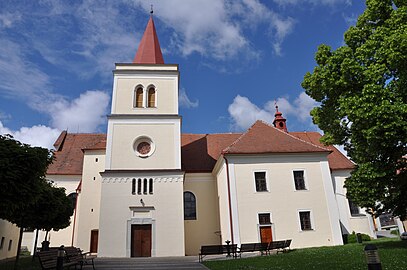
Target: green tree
{"x":27,"y":199}
{"x":362,"y":90}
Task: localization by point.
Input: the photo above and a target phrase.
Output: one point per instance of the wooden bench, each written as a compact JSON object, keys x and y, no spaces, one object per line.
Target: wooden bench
{"x":48,"y":260}
{"x":218,"y":250}
{"x":265,"y":248}
{"x":253,"y":247}
{"x":74,"y":254}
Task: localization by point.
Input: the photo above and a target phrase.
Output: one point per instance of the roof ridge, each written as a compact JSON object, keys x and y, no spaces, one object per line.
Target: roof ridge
{"x":84,"y":133}
{"x":238,"y":139}
{"x":292,"y":136}
{"x":219,"y":133}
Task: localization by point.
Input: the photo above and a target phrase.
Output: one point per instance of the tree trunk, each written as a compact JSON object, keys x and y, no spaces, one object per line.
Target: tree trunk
{"x":35,"y":245}
{"x":46,"y":234}
{"x":20,"y":239}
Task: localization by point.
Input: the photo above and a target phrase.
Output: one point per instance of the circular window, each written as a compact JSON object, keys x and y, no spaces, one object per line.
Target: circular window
{"x":144,"y":147}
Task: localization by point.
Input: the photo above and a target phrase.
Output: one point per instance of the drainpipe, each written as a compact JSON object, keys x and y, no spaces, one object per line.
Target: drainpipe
{"x":229,"y":200}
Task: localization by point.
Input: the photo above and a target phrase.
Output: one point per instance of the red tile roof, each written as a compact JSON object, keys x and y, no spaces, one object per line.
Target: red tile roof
{"x":262,"y":138}
{"x":337,"y":161}
{"x":149,"y":51}
{"x":200,"y":152}
{"x":68,"y":154}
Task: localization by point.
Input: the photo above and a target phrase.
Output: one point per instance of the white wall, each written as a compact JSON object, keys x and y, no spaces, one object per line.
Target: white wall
{"x":362,"y":223}
{"x":163,"y":209}
{"x":9,"y":234}
{"x":282,"y":201}
{"x":87,"y":218}
{"x":205,"y":230}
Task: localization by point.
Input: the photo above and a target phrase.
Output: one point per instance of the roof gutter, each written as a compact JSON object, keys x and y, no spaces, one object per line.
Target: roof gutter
{"x":229,"y":200}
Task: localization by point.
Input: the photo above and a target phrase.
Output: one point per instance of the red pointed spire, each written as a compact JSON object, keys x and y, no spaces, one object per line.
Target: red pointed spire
{"x":149,"y":51}
{"x":279,"y":121}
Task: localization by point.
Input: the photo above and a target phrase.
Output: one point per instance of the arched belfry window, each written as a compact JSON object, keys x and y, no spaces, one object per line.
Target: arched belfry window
{"x":151,"y":97}
{"x":139,"y":97}
{"x":189,"y":206}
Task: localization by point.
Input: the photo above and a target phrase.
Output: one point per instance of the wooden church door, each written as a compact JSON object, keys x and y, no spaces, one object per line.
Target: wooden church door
{"x":141,"y":240}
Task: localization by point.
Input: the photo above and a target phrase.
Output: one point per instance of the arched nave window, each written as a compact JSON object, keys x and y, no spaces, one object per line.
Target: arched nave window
{"x":151,"y":97}
{"x":139,"y":97}
{"x":189,"y":206}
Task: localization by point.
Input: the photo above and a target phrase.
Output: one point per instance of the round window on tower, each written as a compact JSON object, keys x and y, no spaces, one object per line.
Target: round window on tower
{"x":144,"y":147}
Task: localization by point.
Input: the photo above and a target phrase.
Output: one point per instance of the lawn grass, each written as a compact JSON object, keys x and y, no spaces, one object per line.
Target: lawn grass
{"x":392,"y":252}
{"x":25,"y":263}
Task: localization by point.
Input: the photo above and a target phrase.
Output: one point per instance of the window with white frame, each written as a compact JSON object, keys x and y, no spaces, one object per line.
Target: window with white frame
{"x":299,"y":180}
{"x":354,"y":209}
{"x":264,"y":219}
{"x":260,"y":181}
{"x":138,"y":97}
{"x":151,"y":97}
{"x":305,"y":220}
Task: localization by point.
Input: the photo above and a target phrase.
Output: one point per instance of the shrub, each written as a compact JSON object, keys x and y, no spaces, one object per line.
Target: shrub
{"x":352,"y":238}
{"x":395,"y":232}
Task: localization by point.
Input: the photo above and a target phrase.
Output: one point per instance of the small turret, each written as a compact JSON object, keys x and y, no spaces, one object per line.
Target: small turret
{"x":279,"y":121}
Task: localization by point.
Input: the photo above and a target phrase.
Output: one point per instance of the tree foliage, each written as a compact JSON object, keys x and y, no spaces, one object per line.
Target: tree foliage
{"x":362,"y":90}
{"x":27,"y":199}
{"x":22,"y":173}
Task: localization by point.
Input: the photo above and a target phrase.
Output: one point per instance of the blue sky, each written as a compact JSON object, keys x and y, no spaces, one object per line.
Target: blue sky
{"x":236,"y":59}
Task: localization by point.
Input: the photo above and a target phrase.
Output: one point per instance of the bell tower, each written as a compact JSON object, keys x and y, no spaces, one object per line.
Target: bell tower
{"x":279,"y":121}
{"x":142,"y":185}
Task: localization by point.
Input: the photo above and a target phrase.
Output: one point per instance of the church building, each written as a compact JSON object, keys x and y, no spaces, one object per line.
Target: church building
{"x":147,"y":189}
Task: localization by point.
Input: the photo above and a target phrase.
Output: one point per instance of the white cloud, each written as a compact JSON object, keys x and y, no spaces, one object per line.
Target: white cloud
{"x":300,"y":108}
{"x":184,"y":100}
{"x":244,"y":113}
{"x":22,"y":80}
{"x":83,"y":114}
{"x":38,"y":135}
{"x":19,"y":77}
{"x":216,"y":29}
{"x":7,"y":19}
{"x":314,"y":2}
{"x":350,"y":19}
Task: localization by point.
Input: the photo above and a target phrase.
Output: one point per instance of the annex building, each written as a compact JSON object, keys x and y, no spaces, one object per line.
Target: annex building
{"x":146,"y":189}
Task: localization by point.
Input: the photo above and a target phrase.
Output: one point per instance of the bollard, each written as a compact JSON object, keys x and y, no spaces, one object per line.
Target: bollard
{"x":60,"y":258}
{"x":228,"y":247}
{"x":372,"y":257}
{"x":359,"y":238}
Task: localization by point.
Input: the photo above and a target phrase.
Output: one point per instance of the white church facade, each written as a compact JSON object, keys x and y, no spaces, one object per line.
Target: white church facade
{"x":146,"y":189}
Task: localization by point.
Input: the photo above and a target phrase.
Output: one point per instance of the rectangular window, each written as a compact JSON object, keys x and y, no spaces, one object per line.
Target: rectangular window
{"x":145,"y":186}
{"x":260,"y":179}
{"x":354,"y":209}
{"x":2,"y":243}
{"x":139,"y":186}
{"x":305,"y":220}
{"x":264,"y":219}
{"x":10,"y":243}
{"x":133,"y":186}
{"x":150,"y":186}
{"x":299,"y":180}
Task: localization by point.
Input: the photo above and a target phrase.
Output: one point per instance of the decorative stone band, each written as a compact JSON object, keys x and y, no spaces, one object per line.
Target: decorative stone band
{"x":129,"y":179}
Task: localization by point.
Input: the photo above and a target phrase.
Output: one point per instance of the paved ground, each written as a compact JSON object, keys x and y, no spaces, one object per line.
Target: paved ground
{"x":167,"y":263}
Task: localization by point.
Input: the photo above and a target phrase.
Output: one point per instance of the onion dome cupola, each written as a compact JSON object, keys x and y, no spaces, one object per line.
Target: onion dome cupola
{"x":279,"y":121}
